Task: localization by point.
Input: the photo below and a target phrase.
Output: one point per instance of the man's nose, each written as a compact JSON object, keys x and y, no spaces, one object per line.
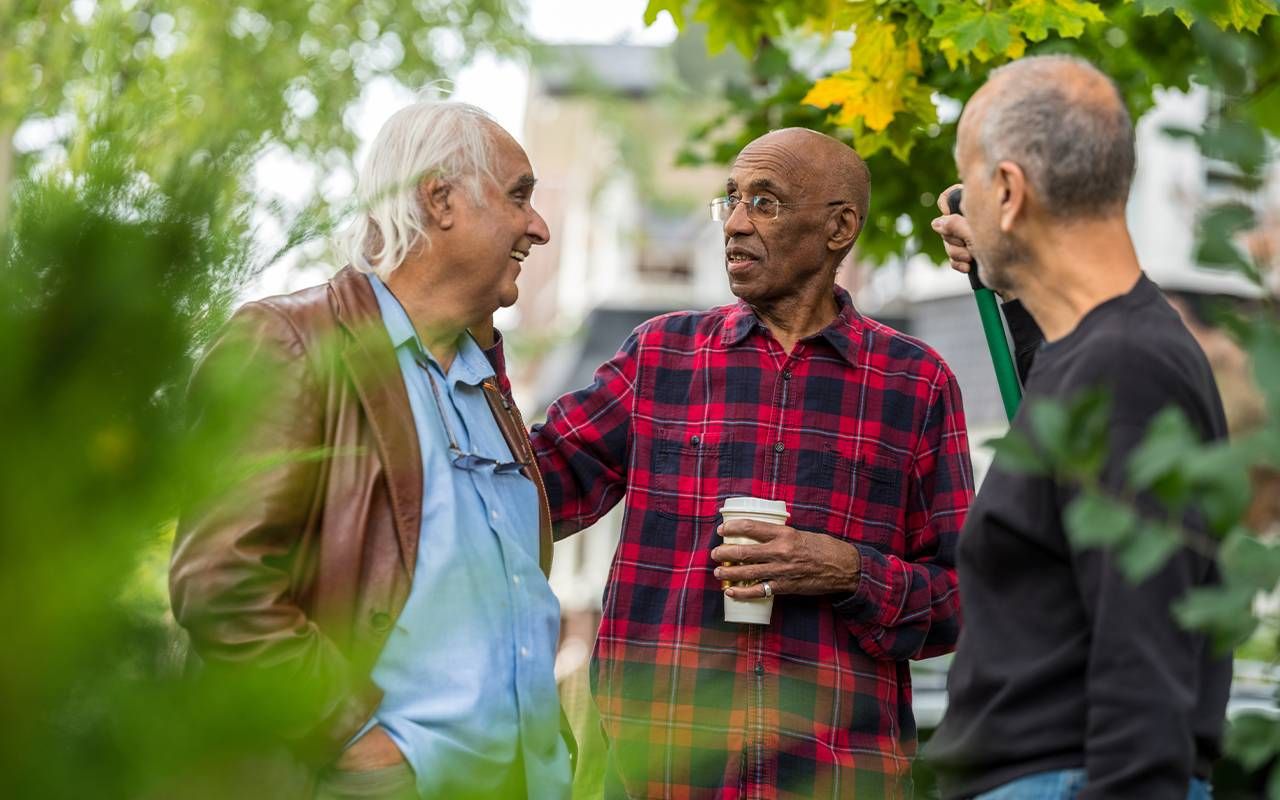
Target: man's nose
{"x":739,"y":222}
{"x":538,"y":231}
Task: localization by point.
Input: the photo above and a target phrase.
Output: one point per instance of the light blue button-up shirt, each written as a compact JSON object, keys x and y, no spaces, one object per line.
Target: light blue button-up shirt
{"x":468,"y":670}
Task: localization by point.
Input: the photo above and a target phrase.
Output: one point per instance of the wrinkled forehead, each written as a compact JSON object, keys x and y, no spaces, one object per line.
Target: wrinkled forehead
{"x":770,"y":165}
{"x":509,"y":159}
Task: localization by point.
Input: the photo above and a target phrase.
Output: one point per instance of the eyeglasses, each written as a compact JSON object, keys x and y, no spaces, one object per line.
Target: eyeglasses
{"x":758,"y":207}
{"x":463,"y":459}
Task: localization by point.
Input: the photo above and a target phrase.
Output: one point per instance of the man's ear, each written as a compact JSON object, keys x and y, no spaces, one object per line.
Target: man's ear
{"x":435,"y":198}
{"x":1011,"y":182}
{"x":845,"y":228}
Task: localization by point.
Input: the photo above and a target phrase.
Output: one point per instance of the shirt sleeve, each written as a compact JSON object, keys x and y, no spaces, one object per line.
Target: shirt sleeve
{"x":1144,"y":669}
{"x":907,"y":606}
{"x":582,"y":448}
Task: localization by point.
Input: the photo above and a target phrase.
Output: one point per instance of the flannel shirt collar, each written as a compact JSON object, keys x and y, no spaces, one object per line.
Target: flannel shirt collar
{"x":844,"y":334}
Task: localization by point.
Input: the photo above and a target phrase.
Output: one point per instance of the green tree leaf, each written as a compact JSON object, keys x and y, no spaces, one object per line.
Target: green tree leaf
{"x":1243,"y":15}
{"x":1218,"y":232}
{"x":1264,"y":354}
{"x":1183,"y":9}
{"x":928,"y":7}
{"x":970,"y":27}
{"x":1246,"y":561}
{"x":1253,"y":739}
{"x":1147,"y":550}
{"x":1225,"y":612}
{"x":673,"y":7}
{"x":1094,"y":519}
{"x":1218,"y":477}
{"x":1236,"y":141}
{"x":1037,"y":18}
{"x":1015,"y":452}
{"x":1051,"y":428}
{"x":1264,"y":108}
{"x":1167,"y":443}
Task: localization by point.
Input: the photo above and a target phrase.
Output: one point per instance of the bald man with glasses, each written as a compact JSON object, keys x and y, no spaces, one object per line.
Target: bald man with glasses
{"x":788,"y":395}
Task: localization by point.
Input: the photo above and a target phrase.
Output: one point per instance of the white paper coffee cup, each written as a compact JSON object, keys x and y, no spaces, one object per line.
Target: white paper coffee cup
{"x":759,"y":610}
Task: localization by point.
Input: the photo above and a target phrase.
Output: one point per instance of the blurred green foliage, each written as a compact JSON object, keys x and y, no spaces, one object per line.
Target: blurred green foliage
{"x":125,"y":233}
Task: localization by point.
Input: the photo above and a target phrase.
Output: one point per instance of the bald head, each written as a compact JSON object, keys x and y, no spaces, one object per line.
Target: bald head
{"x":825,"y":165}
{"x":1064,"y":123}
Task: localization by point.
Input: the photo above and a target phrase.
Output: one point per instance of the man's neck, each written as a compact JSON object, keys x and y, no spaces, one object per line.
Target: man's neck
{"x":438,"y":318}
{"x":1078,"y":268}
{"x":798,"y":316}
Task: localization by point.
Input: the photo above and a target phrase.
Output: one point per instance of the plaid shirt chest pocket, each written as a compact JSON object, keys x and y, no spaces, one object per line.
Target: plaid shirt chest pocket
{"x":857,"y":496}
{"x":692,"y":472}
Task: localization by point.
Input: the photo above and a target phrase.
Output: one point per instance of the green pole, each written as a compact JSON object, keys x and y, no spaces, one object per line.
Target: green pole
{"x":993,"y":327}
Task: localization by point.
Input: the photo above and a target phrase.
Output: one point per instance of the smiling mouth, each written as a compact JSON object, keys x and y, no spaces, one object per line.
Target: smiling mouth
{"x":519,"y":255}
{"x":739,"y":261}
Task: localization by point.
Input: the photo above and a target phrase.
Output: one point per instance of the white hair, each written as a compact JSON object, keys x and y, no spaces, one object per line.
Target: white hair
{"x":429,"y":139}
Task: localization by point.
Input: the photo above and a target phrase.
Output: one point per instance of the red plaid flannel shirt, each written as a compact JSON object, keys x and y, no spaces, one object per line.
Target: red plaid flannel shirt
{"x":860,"y":430}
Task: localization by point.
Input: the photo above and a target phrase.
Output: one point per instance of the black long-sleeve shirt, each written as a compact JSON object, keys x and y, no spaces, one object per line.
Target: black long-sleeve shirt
{"x":1062,"y":662}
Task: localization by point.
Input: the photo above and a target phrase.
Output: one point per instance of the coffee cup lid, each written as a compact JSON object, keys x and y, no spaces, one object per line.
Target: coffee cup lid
{"x":754,"y":505}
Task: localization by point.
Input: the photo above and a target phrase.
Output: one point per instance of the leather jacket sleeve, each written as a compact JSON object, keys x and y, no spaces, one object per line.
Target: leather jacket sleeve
{"x":235,"y":567}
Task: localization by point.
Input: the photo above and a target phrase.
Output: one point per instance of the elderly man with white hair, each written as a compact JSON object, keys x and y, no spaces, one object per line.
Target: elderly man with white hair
{"x":393,"y":571}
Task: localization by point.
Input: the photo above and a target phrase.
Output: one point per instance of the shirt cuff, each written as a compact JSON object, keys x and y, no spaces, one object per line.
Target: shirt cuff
{"x":860,"y":605}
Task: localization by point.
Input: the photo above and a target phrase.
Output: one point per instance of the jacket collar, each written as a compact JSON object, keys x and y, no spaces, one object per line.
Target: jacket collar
{"x":371,"y":362}
{"x":375,"y":372}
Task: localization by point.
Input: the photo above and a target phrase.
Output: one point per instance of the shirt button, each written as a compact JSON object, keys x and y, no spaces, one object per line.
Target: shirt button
{"x":515,"y":579}
{"x":493,"y":514}
{"x":695,"y":440}
{"x":759,"y":668}
{"x":524,"y":652}
{"x":786,"y":374}
{"x":779,"y":447}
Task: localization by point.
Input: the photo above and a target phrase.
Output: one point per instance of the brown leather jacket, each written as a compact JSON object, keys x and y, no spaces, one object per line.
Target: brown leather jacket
{"x":305,"y":565}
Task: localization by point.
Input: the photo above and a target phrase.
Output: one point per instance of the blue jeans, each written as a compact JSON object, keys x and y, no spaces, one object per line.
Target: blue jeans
{"x":1065,"y":784}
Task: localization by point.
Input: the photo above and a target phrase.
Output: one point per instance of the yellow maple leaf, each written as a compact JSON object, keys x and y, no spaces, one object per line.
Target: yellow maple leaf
{"x":883,"y":102}
{"x":915,"y":64}
{"x":951,"y":53}
{"x":874,"y":106}
{"x":875,"y":48}
{"x":835,"y":90}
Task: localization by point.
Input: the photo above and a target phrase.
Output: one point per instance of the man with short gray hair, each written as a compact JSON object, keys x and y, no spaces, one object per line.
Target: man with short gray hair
{"x":391,"y":570}
{"x":1069,"y":680}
